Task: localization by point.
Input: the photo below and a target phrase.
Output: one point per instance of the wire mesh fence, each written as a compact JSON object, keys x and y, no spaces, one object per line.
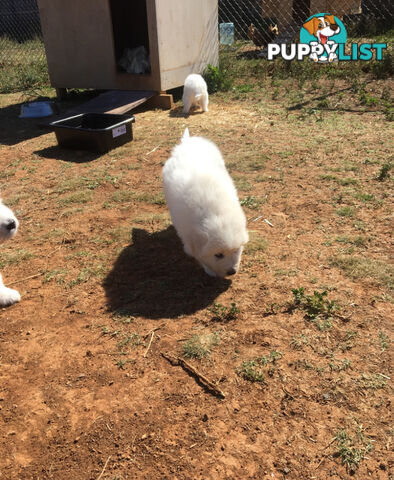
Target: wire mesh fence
{"x":20,"y":31}
{"x":280,"y":21}
{"x":22,"y":52}
{"x":245,"y":24}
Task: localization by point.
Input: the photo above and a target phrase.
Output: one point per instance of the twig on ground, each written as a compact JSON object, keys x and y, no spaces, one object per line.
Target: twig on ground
{"x":287,"y":393}
{"x":268,"y":222}
{"x":322,"y":460}
{"x":325,"y":455}
{"x":53,"y":251}
{"x":103,"y":470}
{"x":153,"y":330}
{"x":26,"y":278}
{"x":150,"y":343}
{"x":265,"y":220}
{"x":190,"y":369}
{"x":153,"y":150}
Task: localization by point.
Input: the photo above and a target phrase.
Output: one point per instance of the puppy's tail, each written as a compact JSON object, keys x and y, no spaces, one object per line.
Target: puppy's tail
{"x":185,"y":135}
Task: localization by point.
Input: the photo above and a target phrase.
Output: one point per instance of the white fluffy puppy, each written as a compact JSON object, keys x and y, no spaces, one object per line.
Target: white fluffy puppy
{"x":204,"y":205}
{"x":195,"y":92}
{"x":8,"y":228}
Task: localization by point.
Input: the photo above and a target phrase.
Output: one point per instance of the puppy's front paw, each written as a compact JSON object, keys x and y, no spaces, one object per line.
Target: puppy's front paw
{"x":8,"y":296}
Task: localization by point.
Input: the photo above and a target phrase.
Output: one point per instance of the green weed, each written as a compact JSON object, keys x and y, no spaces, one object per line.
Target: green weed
{"x":217,"y":79}
{"x":338,"y":367}
{"x":254,"y":370}
{"x":385,"y":171}
{"x":371,"y":382}
{"x":127,"y":340}
{"x":352,"y":450}
{"x":253,"y":203}
{"x":299,"y":341}
{"x":224,"y":314}
{"x":317,"y":308}
{"x":345,"y":211}
{"x":383,"y":340}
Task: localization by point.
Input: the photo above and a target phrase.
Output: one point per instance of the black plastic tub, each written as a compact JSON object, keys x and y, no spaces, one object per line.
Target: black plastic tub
{"x":96,"y":132}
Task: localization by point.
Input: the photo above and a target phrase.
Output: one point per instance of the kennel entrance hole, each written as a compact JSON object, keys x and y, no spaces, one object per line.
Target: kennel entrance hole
{"x":130,"y":26}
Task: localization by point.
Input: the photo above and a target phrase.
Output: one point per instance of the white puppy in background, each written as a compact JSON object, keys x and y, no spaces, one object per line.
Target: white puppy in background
{"x":195,"y":93}
{"x":204,"y":206}
{"x":8,"y":228}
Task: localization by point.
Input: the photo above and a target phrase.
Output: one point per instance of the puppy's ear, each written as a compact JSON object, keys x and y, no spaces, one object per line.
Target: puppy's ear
{"x":312,"y":25}
{"x":185,"y":135}
{"x":197,"y":242}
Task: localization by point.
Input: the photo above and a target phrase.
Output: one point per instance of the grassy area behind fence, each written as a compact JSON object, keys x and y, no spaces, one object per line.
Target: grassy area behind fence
{"x":24,"y":67}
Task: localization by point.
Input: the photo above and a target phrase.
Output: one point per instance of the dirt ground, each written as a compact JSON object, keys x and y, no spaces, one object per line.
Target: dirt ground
{"x":85,"y":391}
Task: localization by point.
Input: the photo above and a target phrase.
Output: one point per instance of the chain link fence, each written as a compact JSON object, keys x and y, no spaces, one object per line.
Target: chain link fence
{"x":253,"y":23}
{"x":279,"y":21}
{"x":22,"y":52}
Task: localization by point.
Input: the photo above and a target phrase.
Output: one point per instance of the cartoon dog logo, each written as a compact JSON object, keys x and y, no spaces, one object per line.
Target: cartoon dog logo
{"x":323,"y":27}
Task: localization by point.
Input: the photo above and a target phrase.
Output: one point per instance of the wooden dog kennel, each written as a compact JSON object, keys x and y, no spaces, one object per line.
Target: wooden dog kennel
{"x":85,"y":39}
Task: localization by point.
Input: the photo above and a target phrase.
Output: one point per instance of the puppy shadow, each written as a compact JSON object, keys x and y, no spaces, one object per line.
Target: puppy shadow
{"x":177,"y":112}
{"x":68,"y":155}
{"x":154,"y":278}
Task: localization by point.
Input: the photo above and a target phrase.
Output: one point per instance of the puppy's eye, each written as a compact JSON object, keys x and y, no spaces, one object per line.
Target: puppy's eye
{"x":320,"y":25}
{"x":219,"y":255}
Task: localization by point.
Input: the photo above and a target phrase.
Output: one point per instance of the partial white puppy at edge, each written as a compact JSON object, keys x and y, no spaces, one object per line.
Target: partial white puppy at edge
{"x":195,"y":93}
{"x":8,"y":228}
{"x":204,"y":206}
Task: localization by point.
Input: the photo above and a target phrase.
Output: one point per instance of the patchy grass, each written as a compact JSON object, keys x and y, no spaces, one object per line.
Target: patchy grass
{"x":200,"y":346}
{"x":15,"y":257}
{"x":346,"y":211}
{"x":367,"y":269}
{"x":24,"y":65}
{"x":79,"y":197}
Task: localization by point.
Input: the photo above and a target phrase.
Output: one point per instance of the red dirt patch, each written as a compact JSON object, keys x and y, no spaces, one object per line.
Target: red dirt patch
{"x":81,"y":394}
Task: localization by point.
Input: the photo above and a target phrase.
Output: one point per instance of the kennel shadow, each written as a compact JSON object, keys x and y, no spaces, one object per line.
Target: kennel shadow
{"x":16,"y":130}
{"x":154,"y":278}
{"x":68,"y":155}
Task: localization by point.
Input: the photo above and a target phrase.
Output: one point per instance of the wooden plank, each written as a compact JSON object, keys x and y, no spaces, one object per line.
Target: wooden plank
{"x":117,"y":101}
{"x":161,"y":100}
{"x":113,"y":101}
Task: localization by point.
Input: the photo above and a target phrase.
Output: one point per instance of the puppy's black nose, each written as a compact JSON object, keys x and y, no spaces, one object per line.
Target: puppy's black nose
{"x":231,"y":271}
{"x":11,"y":225}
